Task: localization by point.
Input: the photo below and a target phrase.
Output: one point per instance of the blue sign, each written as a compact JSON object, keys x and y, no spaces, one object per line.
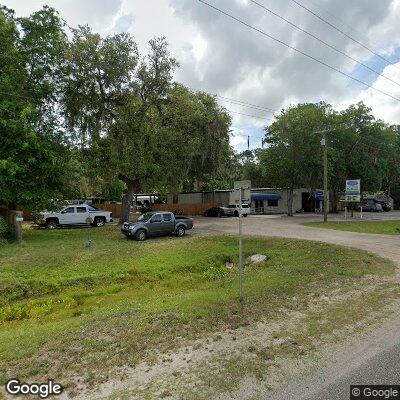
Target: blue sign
{"x":353,"y":187}
{"x":319,"y":195}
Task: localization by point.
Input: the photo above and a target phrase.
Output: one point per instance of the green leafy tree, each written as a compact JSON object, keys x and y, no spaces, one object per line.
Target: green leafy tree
{"x":98,"y":78}
{"x":249,"y":167}
{"x":293,"y":157}
{"x":136,"y":142}
{"x":32,"y":161}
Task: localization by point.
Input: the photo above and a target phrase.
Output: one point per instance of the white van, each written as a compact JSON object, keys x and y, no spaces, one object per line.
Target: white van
{"x":245,"y":209}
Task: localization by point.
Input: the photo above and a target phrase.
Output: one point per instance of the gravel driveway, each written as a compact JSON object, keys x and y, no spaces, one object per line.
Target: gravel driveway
{"x":291,"y":227}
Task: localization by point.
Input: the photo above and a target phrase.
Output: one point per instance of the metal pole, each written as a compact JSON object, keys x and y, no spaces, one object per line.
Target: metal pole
{"x":325,"y":179}
{"x":18,"y":226}
{"x":241,"y":298}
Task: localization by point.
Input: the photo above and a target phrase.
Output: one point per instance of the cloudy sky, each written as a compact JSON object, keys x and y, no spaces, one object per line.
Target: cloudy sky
{"x":222,"y":56}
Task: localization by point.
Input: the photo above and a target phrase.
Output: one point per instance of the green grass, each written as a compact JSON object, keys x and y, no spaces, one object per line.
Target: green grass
{"x":381,"y":227}
{"x":66,"y":310}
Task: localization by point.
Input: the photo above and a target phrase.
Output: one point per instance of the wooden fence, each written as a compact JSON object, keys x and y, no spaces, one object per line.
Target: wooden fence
{"x":115,"y":208}
{"x":184,"y":209}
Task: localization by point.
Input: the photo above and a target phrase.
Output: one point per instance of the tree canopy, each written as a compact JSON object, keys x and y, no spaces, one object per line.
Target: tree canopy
{"x":84,"y":115}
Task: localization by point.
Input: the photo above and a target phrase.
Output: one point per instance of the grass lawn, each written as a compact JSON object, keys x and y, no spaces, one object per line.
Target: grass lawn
{"x":383,"y":227}
{"x":66,"y":311}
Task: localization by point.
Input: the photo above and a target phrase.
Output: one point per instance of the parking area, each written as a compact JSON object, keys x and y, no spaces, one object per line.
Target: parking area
{"x":292,"y":227}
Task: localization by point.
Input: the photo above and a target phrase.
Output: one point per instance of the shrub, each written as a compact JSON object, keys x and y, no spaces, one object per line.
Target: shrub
{"x":5,"y":232}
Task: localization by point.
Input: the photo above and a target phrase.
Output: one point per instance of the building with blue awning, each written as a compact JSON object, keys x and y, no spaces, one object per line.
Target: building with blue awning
{"x":265,"y":196}
{"x":262,"y":200}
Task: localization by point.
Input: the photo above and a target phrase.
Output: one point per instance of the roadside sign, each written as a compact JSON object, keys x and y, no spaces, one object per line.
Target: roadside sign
{"x":319,"y":195}
{"x":353,"y":198}
{"x":353,"y":186}
{"x":246,"y":195}
{"x":19,"y":219}
{"x":242,"y":185}
{"x":242,"y":191}
{"x":353,"y":190}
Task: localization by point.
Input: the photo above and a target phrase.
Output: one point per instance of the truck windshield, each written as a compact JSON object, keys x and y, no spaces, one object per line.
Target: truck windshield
{"x":145,"y":217}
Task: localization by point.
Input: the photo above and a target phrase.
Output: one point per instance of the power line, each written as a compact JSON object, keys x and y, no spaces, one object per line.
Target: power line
{"x":344,"y":33}
{"x":297,"y":50}
{"x":327,"y":12}
{"x":248,"y":115}
{"x":341,"y":21}
{"x":238,"y":102}
{"x":323,"y":42}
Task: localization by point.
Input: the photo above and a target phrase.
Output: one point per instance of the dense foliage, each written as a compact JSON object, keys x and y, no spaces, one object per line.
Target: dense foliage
{"x":82,"y":115}
{"x":88,"y":116}
{"x":359,"y":147}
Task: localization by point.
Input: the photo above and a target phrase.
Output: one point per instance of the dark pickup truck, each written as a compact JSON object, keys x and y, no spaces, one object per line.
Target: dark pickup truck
{"x":157,"y":224}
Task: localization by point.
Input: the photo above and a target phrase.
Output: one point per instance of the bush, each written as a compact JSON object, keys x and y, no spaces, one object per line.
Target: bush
{"x":5,"y":231}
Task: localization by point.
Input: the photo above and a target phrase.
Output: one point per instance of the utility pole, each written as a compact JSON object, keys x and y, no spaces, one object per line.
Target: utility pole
{"x":326,"y":205}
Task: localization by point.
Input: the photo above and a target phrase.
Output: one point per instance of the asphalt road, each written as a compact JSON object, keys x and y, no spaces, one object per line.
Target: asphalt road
{"x":373,"y":359}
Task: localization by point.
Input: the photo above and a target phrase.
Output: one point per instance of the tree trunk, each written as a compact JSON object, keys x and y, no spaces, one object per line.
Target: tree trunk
{"x":127,"y":199}
{"x":290,"y":202}
{"x":333,"y":202}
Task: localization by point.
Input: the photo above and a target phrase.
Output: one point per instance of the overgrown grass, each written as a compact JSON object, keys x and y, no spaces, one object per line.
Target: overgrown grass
{"x":382,"y":227}
{"x":66,"y":310}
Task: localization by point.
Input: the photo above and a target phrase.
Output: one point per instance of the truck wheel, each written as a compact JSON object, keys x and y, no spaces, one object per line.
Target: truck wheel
{"x":51,"y":224}
{"x":245,"y":215}
{"x":140,"y":235}
{"x":236,"y":214}
{"x":99,"y":221}
{"x":180,"y":231}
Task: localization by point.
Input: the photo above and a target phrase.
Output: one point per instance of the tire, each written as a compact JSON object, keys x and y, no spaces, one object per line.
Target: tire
{"x":245,"y":215}
{"x":51,"y":224}
{"x":99,"y":222}
{"x":220,"y":214}
{"x":236,"y":213}
{"x":180,"y":231}
{"x":141,"y":235}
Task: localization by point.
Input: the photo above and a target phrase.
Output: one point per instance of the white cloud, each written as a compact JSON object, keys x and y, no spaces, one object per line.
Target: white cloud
{"x":384,"y":108}
{"x":224,"y":57}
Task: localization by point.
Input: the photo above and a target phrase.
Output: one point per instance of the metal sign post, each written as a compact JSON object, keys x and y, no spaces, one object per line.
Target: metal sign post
{"x":353,"y":193}
{"x":241,"y":289}
{"x":18,"y":226}
{"x":89,"y":241}
{"x":239,"y":187}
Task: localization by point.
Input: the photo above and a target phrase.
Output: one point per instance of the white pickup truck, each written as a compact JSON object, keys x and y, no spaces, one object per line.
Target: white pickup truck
{"x":81,"y":214}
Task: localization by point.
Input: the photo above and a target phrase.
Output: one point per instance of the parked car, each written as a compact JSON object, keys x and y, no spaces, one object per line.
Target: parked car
{"x":385,"y":206}
{"x":231,"y":211}
{"x":215,"y":212}
{"x":245,"y":209}
{"x":370,"y":206}
{"x":157,"y":224}
{"x":74,"y":215}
